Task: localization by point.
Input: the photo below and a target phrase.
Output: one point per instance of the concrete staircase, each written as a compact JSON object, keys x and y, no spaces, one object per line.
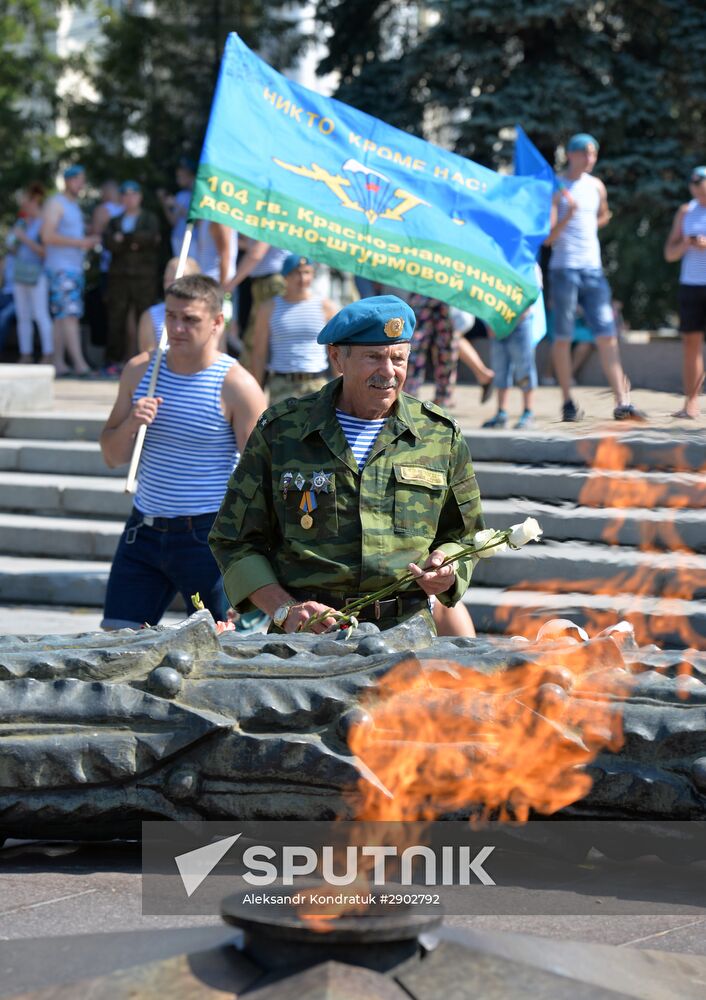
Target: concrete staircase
{"x":61,"y":510}
{"x":624,"y":519}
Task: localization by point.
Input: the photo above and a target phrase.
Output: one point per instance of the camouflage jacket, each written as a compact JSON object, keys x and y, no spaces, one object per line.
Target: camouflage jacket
{"x":416,"y":492}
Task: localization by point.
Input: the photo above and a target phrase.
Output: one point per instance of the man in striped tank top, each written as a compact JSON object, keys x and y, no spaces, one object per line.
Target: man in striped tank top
{"x":687,"y":243}
{"x":203,"y":410}
{"x":286,"y":328}
{"x":579,"y":210}
{"x":345,"y":490}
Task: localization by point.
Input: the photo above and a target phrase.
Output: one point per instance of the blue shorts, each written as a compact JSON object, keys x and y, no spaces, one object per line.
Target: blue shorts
{"x":587,"y":287}
{"x":66,"y":294}
{"x":154,"y":564}
{"x":512,"y":358}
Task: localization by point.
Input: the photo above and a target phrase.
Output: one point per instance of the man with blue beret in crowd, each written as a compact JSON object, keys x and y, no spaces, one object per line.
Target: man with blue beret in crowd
{"x":348,"y":489}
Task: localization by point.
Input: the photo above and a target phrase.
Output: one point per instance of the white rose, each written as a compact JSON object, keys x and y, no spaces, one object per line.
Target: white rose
{"x":520,"y":534}
{"x":482,"y":538}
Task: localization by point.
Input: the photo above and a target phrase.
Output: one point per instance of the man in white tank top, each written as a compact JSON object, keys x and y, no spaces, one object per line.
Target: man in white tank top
{"x":201,"y":414}
{"x":579,"y":210}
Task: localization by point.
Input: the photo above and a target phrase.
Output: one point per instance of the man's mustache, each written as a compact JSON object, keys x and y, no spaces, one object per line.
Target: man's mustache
{"x":378,"y":382}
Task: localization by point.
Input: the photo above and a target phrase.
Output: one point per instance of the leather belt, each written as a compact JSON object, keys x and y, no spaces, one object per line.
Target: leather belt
{"x":172,"y":523}
{"x":392,"y":607}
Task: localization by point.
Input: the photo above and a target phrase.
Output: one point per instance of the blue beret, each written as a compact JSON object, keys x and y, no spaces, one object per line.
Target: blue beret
{"x":580,"y":141}
{"x":293,"y":261}
{"x":379,"y":319}
{"x":129,"y":186}
{"x":698,"y":173}
{"x":73,"y":171}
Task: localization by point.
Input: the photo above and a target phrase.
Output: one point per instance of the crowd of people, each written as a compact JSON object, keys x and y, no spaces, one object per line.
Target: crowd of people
{"x":333,"y":374}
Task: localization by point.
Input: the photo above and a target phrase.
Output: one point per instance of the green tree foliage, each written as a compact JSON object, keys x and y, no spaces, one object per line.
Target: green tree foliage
{"x":633,"y":74}
{"x":28,"y":75}
{"x":154,"y":76}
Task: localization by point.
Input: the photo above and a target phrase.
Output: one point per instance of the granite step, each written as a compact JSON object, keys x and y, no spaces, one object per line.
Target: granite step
{"x":669,"y":622}
{"x":664,"y":528}
{"x":681,"y":451}
{"x":578,"y":567}
{"x":97,"y":496}
{"x":74,"y":582}
{"x":72,"y":458}
{"x":65,"y":582}
{"x":52,"y":425}
{"x":659,"y":450}
{"x":589,"y":488}
{"x":57,"y":537}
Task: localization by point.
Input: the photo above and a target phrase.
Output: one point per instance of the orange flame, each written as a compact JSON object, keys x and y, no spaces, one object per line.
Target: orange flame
{"x":445,"y":739}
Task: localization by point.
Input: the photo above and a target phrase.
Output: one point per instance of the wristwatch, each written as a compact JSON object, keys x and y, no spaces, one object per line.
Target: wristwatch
{"x":281,"y":614}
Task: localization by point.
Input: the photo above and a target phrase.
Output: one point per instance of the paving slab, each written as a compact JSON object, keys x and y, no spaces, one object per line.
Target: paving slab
{"x":42,"y":619}
{"x":75,"y":911}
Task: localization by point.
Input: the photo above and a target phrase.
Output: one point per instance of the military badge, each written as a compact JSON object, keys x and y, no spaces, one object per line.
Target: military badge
{"x":299,"y":481}
{"x":307,"y":504}
{"x":321,"y":481}
{"x":285,"y":483}
{"x":394,"y":327}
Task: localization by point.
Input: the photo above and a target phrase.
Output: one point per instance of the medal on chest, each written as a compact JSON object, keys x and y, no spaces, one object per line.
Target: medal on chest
{"x":307,"y":504}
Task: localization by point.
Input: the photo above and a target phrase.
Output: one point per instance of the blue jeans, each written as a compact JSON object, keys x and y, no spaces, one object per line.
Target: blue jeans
{"x":587,"y":287}
{"x":153,"y":564}
{"x":512,"y":358}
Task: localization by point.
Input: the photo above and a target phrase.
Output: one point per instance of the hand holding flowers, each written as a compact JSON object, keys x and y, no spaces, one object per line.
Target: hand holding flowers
{"x":438,"y":569}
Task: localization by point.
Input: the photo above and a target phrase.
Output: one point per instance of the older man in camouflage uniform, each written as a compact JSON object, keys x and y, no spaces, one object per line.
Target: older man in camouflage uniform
{"x":342,"y":492}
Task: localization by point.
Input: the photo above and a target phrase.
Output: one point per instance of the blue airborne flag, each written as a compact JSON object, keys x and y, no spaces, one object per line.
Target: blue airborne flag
{"x":309,"y":174}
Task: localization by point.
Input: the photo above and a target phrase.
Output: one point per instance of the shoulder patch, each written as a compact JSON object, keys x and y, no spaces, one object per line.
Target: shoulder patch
{"x":278,"y":410}
{"x":439,"y":411}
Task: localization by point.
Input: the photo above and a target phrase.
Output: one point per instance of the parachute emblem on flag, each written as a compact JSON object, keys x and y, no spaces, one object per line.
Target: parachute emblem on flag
{"x":361,"y":189}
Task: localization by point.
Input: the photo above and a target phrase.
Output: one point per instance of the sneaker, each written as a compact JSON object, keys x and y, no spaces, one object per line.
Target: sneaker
{"x":486,"y":391}
{"x":499,"y":420}
{"x":628,"y":412}
{"x":570,"y":412}
{"x":526,"y":420}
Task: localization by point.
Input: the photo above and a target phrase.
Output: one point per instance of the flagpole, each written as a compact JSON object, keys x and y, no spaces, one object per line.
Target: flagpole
{"x":131,"y":481}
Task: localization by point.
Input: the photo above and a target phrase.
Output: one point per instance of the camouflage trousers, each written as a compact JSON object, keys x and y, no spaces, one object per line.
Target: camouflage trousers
{"x":262,"y":290}
{"x":282,"y":386}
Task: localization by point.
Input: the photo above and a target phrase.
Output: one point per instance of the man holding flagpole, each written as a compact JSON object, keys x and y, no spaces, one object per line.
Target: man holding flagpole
{"x":200,"y":415}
